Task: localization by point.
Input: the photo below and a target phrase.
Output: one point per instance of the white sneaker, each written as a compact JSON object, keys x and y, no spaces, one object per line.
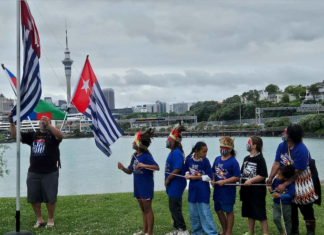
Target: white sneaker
{"x":181,"y":232}
{"x":139,"y":233}
{"x":174,"y":232}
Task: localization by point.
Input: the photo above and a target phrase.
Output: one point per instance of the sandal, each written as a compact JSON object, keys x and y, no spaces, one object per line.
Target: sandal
{"x":49,"y":226}
{"x":38,"y":225}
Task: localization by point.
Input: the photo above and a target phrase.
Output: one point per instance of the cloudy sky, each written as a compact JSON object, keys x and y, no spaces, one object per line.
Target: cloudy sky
{"x":173,"y":51}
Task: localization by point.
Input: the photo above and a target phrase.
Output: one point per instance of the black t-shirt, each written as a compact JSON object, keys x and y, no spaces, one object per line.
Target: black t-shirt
{"x":44,"y":153}
{"x":251,"y":167}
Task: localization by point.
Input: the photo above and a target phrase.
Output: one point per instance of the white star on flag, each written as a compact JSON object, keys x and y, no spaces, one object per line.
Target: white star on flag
{"x":85,"y":86}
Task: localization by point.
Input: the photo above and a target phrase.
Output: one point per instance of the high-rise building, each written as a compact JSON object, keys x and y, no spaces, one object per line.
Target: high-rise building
{"x":48,"y":100}
{"x":109,"y":95}
{"x":67,"y":67}
{"x":181,"y":107}
{"x":61,"y":102}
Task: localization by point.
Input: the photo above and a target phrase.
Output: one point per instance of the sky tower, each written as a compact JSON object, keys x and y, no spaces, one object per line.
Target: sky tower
{"x":67,"y":62}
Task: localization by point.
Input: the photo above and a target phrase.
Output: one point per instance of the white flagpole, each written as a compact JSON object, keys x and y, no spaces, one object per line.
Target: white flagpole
{"x":67,"y":111}
{"x":18,"y":122}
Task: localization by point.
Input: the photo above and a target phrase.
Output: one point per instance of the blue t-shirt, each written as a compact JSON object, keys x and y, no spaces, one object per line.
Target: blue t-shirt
{"x":299,"y":155}
{"x":143,"y":178}
{"x":199,"y":191}
{"x":286,"y":195}
{"x":224,"y":170}
{"x":177,"y":185}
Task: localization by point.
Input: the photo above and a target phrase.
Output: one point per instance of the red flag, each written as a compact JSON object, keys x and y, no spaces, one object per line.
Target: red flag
{"x":82,"y":92}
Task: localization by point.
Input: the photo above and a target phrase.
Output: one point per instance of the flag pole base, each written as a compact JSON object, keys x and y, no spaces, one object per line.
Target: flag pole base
{"x":19,"y":233}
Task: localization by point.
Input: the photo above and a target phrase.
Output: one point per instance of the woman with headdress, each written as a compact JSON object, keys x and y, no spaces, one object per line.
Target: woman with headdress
{"x":142,"y":166}
{"x":175,"y":185}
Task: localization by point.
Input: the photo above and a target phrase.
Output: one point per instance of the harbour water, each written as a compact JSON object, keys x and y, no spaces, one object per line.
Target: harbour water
{"x":86,"y":170}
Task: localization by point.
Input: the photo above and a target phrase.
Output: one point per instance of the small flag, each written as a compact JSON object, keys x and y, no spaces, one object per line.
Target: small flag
{"x":30,"y":87}
{"x":12,"y":79}
{"x":89,"y":100}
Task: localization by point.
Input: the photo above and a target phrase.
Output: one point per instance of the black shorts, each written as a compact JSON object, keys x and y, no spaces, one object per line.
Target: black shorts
{"x":256,"y":211}
{"x":42,"y":187}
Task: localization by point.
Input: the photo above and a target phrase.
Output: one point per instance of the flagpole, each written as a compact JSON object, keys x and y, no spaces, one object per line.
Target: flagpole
{"x":67,"y":111}
{"x":18,"y":132}
{"x":18,"y":122}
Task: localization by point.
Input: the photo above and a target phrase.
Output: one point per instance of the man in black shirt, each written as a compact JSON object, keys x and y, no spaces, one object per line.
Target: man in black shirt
{"x":42,"y":178}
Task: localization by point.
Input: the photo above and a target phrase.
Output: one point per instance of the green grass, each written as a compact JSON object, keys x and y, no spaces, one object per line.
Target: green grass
{"x":120,"y":214}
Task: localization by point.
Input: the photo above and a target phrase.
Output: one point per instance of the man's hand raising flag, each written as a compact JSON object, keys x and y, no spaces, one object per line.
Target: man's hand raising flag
{"x":89,"y":100}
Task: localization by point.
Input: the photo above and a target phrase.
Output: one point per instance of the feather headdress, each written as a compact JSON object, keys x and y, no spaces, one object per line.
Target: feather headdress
{"x":176,"y":133}
{"x":143,"y":139}
{"x":227,"y":142}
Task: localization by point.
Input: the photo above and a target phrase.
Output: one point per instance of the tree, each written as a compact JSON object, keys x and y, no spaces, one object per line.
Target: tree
{"x":285,"y":98}
{"x":290,"y":89}
{"x":299,"y":91}
{"x":272,"y":88}
{"x":253,"y":96}
{"x":233,"y":99}
{"x":313,"y":90}
{"x":3,"y":163}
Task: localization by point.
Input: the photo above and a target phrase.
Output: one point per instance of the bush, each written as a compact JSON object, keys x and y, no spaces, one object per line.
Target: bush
{"x":284,"y":121}
{"x":312,"y":122}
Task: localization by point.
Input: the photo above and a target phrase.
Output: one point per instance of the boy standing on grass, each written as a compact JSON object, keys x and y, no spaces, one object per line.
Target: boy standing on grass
{"x":283,"y":207}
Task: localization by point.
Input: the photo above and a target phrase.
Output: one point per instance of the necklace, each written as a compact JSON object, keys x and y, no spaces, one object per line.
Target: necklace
{"x":255,"y":155}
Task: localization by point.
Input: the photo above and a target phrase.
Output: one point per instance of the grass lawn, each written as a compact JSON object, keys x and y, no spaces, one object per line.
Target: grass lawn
{"x":120,"y":214}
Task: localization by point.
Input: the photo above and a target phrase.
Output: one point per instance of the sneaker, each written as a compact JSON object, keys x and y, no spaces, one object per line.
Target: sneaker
{"x":139,"y":233}
{"x":174,"y":232}
{"x":181,"y":232}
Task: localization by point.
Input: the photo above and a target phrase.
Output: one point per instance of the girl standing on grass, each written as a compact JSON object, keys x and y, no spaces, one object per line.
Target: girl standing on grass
{"x":254,"y":170}
{"x":200,"y":173}
{"x":142,"y":166}
{"x":226,"y":170}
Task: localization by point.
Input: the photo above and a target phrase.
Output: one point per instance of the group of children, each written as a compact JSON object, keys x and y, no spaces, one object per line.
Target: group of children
{"x":222,"y":175}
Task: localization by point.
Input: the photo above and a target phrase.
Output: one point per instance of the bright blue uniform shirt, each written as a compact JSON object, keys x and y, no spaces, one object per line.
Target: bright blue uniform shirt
{"x":178,"y":184}
{"x":143,"y":178}
{"x":286,"y":195}
{"x":224,"y":170}
{"x":299,"y":155}
{"x":199,"y":191}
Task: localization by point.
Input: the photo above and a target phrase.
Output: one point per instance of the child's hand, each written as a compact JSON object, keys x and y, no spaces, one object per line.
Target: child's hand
{"x":120,"y":166}
{"x":276,"y":195}
{"x":167,"y":181}
{"x":248,"y":182}
{"x":220,"y":182}
{"x":270,"y":190}
{"x":281,"y":188}
{"x":187,"y":176}
{"x":140,"y":165}
{"x":212,"y":183}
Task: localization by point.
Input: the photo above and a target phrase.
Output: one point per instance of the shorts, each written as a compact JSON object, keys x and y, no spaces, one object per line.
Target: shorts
{"x":256,"y":211}
{"x":144,"y":198}
{"x":226,"y":207}
{"x":42,"y":187}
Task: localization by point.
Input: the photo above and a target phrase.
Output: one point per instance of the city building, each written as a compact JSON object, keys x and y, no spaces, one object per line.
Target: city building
{"x":139,"y":109}
{"x":109,"y":95}
{"x":48,"y":100}
{"x":67,"y":68}
{"x":160,"y":107}
{"x":5,"y":104}
{"x":149,"y":108}
{"x":181,"y":107}
{"x":319,"y":96}
{"x":61,"y":102}
{"x":277,"y":97}
{"x":124,"y":111}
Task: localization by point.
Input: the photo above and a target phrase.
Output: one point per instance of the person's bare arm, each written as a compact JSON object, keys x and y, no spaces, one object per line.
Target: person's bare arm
{"x":13,"y":131}
{"x":56,"y":132}
{"x":273,"y":173}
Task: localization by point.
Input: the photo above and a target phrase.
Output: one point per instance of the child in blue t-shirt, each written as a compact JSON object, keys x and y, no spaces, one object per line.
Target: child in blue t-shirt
{"x":226,"y":170}
{"x":142,"y":166}
{"x":284,"y":173}
{"x":200,"y":173}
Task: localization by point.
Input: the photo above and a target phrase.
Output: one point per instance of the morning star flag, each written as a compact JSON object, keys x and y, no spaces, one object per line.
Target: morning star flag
{"x":12,"y":79}
{"x":30,"y":86}
{"x":90,"y":101}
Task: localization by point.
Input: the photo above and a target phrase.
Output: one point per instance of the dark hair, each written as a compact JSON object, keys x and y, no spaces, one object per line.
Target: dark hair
{"x":135,"y":153}
{"x":295,"y":133}
{"x":233,"y":153}
{"x":287,"y":171}
{"x":198,"y":146}
{"x":258,"y":142}
{"x":177,"y":145}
